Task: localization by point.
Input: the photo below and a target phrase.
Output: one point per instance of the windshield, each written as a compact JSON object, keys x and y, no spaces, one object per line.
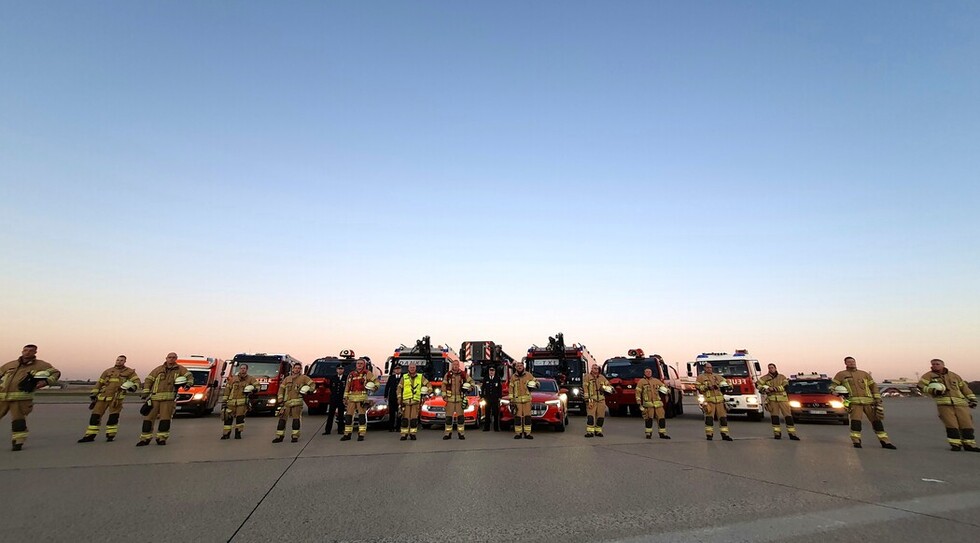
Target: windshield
{"x":809,"y":386}
{"x":201,"y":376}
{"x":380,"y":391}
{"x":547,"y":386}
{"x":626,"y":370}
{"x":328,"y":368}
{"x":263,"y":369}
{"x":728,"y":368}
{"x":550,"y":368}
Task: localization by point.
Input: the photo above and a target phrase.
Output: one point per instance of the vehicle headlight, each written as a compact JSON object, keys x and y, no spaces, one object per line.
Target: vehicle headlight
{"x":272,"y":401}
{"x":752,"y":400}
{"x":576,"y":391}
{"x":199,"y":396}
{"x":470,"y":408}
{"x":553,"y":402}
{"x":833,"y":403}
{"x":797,"y":404}
{"x":380,"y":406}
{"x":504,"y":402}
{"x":563,"y":397}
{"x":437,"y":391}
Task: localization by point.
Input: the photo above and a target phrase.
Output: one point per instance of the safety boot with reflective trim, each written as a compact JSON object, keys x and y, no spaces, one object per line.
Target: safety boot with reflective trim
{"x":143,"y":443}
{"x":528,"y":436}
{"x":161,"y":441}
{"x":664,"y":436}
{"x":87,"y":438}
{"x":590,"y":434}
{"x":461,"y":436}
{"x":296,"y":439}
{"x":726,"y":437}
{"x":447,"y":436}
{"x":518,"y":436}
{"x":886,"y":445}
{"x":279,"y":439}
{"x":792,"y":437}
{"x":346,"y":437}
{"x":16,"y":447}
{"x":857,"y":445}
{"x":649,"y":436}
{"x":954,"y":447}
{"x":403,"y":438}
{"x":599,"y":434}
{"x":412,"y":437}
{"x":238,"y":434}
{"x":970,"y":448}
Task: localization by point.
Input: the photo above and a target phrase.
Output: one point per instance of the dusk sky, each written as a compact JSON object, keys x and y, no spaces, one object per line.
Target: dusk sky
{"x":798,"y":179}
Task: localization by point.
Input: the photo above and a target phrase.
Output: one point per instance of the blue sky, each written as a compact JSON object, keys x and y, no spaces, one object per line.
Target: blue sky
{"x":800,"y":180}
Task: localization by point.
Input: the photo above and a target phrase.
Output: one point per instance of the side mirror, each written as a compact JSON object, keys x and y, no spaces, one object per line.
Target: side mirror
{"x":689,"y":372}
{"x":758,"y":368}
{"x":214,"y":384}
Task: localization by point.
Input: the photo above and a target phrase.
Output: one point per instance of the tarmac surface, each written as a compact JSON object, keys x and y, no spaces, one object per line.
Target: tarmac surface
{"x":490,"y":487}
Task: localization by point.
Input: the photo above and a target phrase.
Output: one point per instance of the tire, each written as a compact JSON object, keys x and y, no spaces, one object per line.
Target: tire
{"x":755,"y":416}
{"x":561,"y":426}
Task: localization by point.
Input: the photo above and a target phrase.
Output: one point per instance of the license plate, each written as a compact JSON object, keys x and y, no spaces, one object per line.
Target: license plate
{"x":817,"y":412}
{"x":440,"y":415}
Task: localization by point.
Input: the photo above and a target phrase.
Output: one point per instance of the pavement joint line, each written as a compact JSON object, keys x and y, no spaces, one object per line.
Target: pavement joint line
{"x":276,"y":482}
{"x":791,"y":487}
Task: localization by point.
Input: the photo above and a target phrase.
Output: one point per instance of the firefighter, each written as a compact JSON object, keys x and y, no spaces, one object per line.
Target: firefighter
{"x":861,"y":396}
{"x":337,"y":385}
{"x":491,"y":391}
{"x":234,"y":401}
{"x":18,"y":381}
{"x":648,"y":391}
{"x":455,"y":385}
{"x":160,"y":388}
{"x":710,"y":385}
{"x":359,"y":383}
{"x":108,"y":395}
{"x":519,"y":394}
{"x":953,"y":396}
{"x":290,"y":400}
{"x":594,"y":389}
{"x":773,"y":385}
{"x":412,"y":389}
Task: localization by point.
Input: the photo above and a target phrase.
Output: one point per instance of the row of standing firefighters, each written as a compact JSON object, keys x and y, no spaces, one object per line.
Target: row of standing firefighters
{"x":20,"y":378}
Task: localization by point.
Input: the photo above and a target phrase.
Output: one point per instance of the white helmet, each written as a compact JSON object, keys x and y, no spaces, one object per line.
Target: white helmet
{"x":608,"y":389}
{"x":305,"y":389}
{"x":841,"y":389}
{"x":765,"y":389}
{"x":936,"y":389}
{"x":723,"y":384}
{"x":128,"y":386}
{"x":371,"y":385}
{"x":467,"y":386}
{"x":42,"y":374}
{"x":180,"y":380}
{"x":248,"y":389}
{"x":532,"y":384}
{"x":663,"y":390}
{"x":424,"y":390}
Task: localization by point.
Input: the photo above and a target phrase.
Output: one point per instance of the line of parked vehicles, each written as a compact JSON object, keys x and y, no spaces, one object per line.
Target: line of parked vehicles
{"x":559,"y":368}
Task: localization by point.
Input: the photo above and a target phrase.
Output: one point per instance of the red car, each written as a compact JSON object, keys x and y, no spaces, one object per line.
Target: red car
{"x":548,"y":406}
{"x":811,"y":398}
{"x":433,"y":412}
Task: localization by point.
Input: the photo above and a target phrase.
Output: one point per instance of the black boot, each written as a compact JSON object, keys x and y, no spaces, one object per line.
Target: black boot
{"x":886,"y":445}
{"x":411,"y":436}
{"x":110,"y":437}
{"x":225,"y":436}
{"x":87,"y":438}
{"x":954,"y":448}
{"x":664,"y":436}
{"x":792,"y":437}
{"x":238,"y":434}
{"x":726,"y":437}
{"x":346,"y":437}
{"x":360,"y":437}
{"x":143,"y":443}
{"x":403,"y":438}
{"x":279,"y":439}
{"x":16,"y":447}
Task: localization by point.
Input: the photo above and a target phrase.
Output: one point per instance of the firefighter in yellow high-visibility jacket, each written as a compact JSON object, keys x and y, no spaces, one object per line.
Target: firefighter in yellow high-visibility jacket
{"x":18,"y":381}
{"x":954,"y":399}
{"x":108,"y":395}
{"x":412,"y":388}
{"x":861,"y":395}
{"x":773,"y":385}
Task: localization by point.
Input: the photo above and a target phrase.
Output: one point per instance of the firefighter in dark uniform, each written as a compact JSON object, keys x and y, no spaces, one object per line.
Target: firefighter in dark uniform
{"x":648,"y":391}
{"x":108,"y":395}
{"x":359,"y":383}
{"x":234,"y":401}
{"x":773,"y":385}
{"x":710,"y":385}
{"x":862,"y":398}
{"x":18,"y":381}
{"x":491,"y":391}
{"x":336,"y":407}
{"x":160,"y":388}
{"x":954,"y":399}
{"x":594,"y":389}
{"x":290,"y":399}
{"x":519,"y":389}
{"x":391,"y":395}
{"x":412,"y":391}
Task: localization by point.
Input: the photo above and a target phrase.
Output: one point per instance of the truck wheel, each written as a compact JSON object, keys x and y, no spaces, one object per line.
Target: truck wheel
{"x":755,"y":416}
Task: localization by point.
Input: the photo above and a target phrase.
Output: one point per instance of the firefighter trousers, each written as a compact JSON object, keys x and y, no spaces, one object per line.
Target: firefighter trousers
{"x":113,"y":407}
{"x":234,"y":417}
{"x":958,"y":423}
{"x":410,"y":418}
{"x":595,"y":416}
{"x":781,"y":409}
{"x":654,"y":413}
{"x":522,"y":417}
{"x":856,"y":411}
{"x":296,"y":413}
{"x":164,"y":410}
{"x":713,"y":412}
{"x":18,"y":409}
{"x":356,"y":412}
{"x":454,"y":418}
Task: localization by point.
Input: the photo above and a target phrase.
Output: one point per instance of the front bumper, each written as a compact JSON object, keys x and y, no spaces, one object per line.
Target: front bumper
{"x":540,"y":414}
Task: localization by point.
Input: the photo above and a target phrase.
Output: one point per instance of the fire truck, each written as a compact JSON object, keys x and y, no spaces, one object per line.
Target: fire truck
{"x":432,"y":362}
{"x":481,"y":355}
{"x":269,"y":370}
{"x":323,"y":371}
{"x":741,"y":372}
{"x":625,"y":372}
{"x":567,"y":365}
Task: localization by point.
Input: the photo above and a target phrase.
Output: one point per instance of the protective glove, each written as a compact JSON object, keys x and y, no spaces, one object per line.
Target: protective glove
{"x":93,"y":397}
{"x":973,"y":405}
